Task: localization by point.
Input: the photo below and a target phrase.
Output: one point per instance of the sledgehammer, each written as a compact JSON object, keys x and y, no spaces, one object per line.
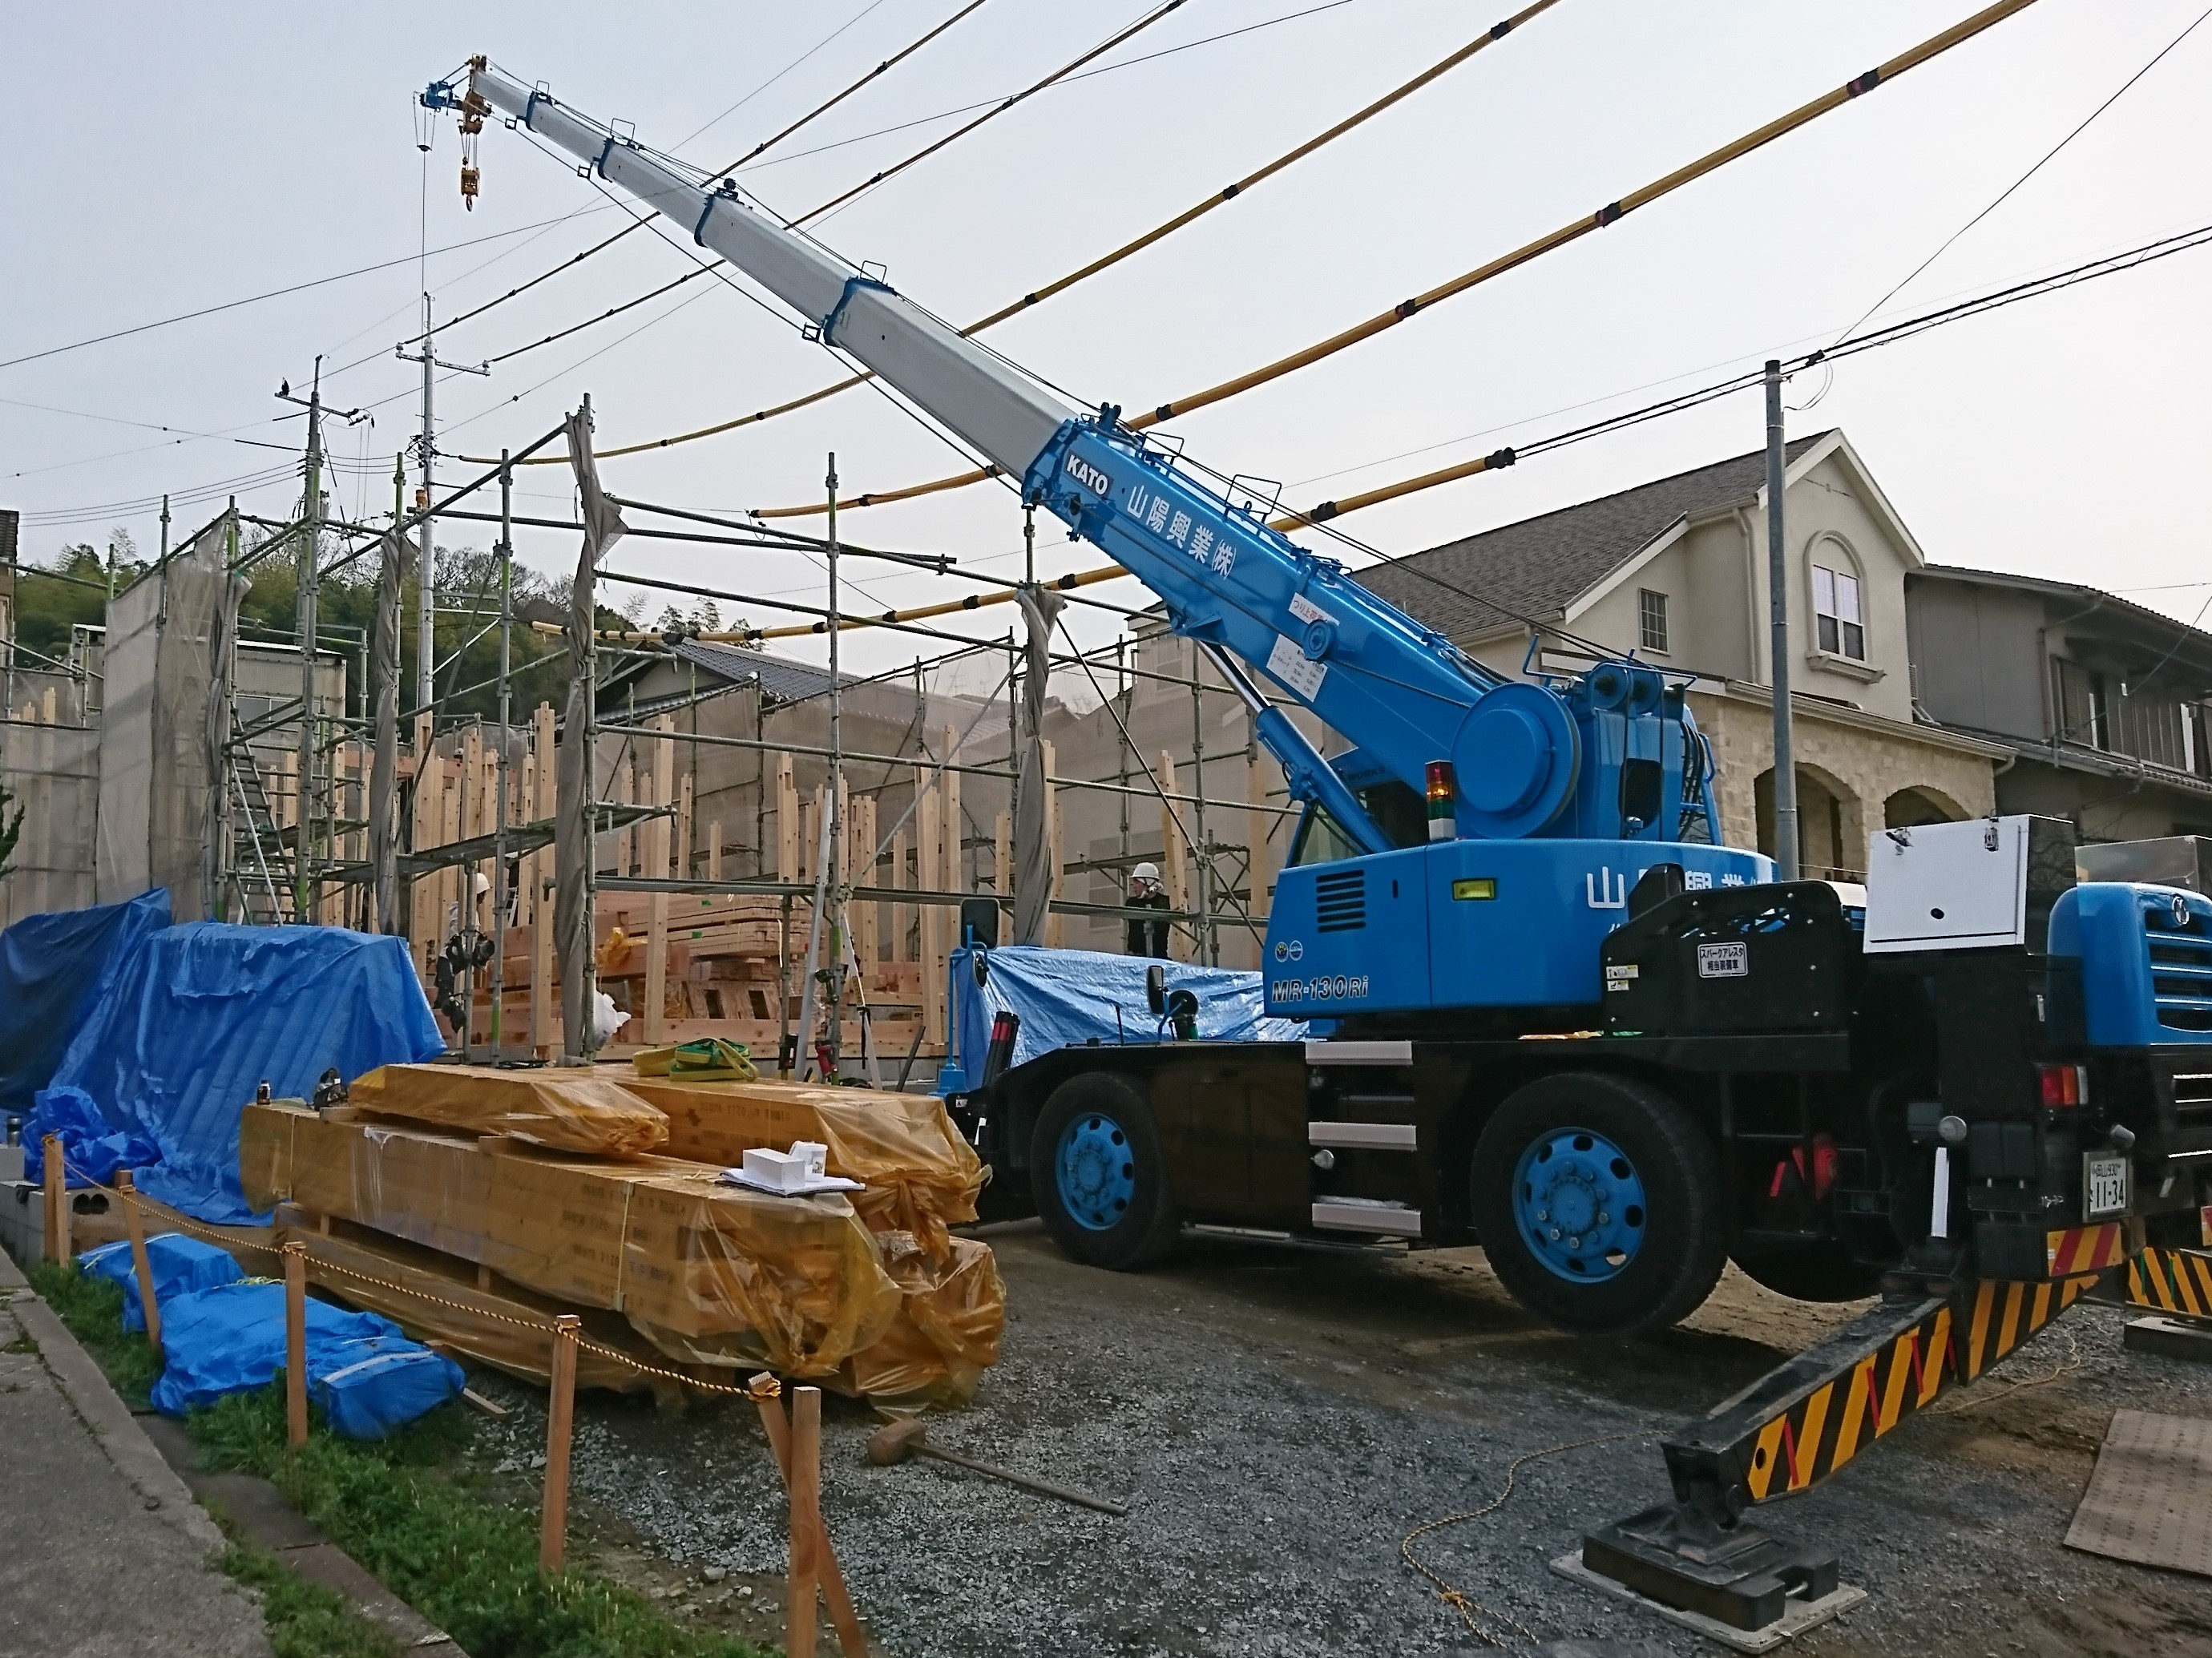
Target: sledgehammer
{"x":901,"y":1440}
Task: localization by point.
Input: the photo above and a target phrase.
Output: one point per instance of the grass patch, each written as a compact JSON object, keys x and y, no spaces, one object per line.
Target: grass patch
{"x":305,"y":1619}
{"x":398,"y":1507}
{"x":92,"y":1310}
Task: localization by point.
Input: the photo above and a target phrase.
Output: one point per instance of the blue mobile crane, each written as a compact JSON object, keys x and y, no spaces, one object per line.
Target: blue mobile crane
{"x":1564,"y":1021}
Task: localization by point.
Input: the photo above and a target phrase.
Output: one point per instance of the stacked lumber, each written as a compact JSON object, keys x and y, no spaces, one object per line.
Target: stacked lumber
{"x":537,"y":1187}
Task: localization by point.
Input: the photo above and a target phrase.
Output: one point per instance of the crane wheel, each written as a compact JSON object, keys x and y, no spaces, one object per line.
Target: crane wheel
{"x":1098,"y":1174}
{"x":1600,"y":1203}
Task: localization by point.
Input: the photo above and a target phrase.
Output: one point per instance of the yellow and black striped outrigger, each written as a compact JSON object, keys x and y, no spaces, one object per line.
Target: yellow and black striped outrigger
{"x":1800,"y":1423}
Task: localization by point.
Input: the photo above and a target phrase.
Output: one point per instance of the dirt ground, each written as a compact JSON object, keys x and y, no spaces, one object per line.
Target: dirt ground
{"x":1279,"y":1418}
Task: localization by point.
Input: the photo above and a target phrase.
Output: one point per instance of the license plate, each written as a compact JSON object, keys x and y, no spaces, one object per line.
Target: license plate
{"x":2104,"y":1186}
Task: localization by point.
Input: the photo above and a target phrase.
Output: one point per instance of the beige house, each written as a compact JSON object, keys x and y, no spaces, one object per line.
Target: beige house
{"x":1675,"y":572}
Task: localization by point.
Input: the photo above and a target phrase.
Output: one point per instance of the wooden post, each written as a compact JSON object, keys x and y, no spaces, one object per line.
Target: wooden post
{"x":806,"y":1520}
{"x":866,"y":922}
{"x":953,"y":825}
{"x":560,"y":1418}
{"x":1173,"y":865}
{"x":786,"y":823}
{"x":842,"y":1617}
{"x":57,"y":1203}
{"x":901,"y":915}
{"x":541,"y":867}
{"x":296,"y":1345}
{"x":714,"y":848}
{"x":135,"y":1224}
{"x":929,"y":872}
{"x":656,"y":865}
{"x":1002,"y":855}
{"x":1055,"y":927}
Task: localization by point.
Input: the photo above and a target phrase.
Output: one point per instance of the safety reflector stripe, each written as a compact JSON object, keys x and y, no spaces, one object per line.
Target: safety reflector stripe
{"x":2170,"y":1280}
{"x":2085,"y":1248}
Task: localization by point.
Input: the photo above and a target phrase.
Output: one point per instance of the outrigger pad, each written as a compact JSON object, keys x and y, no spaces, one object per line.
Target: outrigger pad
{"x":1741,"y":1575}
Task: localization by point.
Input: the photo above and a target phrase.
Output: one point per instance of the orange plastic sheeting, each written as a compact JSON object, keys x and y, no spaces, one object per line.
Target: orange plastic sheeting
{"x":918,"y":1173}
{"x":564,"y":1110}
{"x":668,"y":1244}
{"x":953,"y":1312}
{"x":435,"y":1298}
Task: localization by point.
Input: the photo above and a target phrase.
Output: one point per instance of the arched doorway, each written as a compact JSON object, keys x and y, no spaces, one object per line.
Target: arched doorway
{"x":1830,"y":839}
{"x":1919,"y":804}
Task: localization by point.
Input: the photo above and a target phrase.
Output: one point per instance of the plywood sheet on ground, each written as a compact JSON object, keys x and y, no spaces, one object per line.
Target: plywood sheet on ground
{"x":2150,"y":1499}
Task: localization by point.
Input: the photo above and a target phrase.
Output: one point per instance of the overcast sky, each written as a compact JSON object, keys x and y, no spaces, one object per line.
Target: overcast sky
{"x":168,"y":158}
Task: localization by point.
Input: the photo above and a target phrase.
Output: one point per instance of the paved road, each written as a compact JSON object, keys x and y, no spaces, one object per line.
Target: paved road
{"x":98,"y":1557}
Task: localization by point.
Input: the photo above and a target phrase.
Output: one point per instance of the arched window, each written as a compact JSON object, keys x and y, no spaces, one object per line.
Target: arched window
{"x":1838,"y":599}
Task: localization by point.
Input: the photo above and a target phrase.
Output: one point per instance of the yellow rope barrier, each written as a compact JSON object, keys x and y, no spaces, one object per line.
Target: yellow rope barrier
{"x":1574,"y":230}
{"x":1166,"y":227}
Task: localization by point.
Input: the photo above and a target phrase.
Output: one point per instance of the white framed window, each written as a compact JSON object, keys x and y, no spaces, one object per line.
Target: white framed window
{"x":1839,"y":622}
{"x":1652,"y":619}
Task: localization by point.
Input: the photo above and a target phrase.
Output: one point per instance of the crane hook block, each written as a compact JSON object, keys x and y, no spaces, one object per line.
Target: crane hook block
{"x":469,"y":178}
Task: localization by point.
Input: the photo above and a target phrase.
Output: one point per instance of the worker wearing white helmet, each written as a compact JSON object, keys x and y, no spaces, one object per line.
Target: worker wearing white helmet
{"x":467,"y":948}
{"x":1147,"y":936}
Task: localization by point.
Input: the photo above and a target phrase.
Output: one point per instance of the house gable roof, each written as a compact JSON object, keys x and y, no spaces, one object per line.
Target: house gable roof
{"x":1541,"y":565}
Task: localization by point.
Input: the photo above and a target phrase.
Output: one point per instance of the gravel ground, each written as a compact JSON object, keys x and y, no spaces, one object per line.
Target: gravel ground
{"x":1279,"y":1418}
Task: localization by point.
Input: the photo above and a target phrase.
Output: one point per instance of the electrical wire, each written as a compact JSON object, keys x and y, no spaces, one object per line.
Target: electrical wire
{"x":1137,"y":245}
{"x":1104,"y":47}
{"x":275,"y":293}
{"x":766,"y":144}
{"x":1574,"y":230}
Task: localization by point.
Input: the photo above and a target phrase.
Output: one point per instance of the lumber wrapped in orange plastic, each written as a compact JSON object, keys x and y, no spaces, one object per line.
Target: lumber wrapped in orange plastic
{"x":564,"y":1110}
{"x":918,"y":1173}
{"x":436,"y":1299}
{"x":953,"y":1312}
{"x":668,"y":1244}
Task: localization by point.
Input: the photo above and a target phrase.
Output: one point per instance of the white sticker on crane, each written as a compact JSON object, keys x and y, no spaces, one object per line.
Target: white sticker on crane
{"x":1306,"y":611}
{"x":1289,"y":663}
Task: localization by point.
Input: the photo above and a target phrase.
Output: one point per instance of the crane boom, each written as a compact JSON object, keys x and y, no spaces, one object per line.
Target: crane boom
{"x":1582,"y":762}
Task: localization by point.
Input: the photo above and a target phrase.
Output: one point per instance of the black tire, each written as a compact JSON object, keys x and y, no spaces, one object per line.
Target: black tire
{"x":1117,"y":1109}
{"x":1823,"y":1272}
{"x":1683,"y":1232}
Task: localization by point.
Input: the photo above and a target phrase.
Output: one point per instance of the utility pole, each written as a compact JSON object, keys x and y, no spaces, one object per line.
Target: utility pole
{"x":311,"y":527}
{"x":1777,"y":599}
{"x":426,"y":449}
{"x":834,"y":826}
{"x":500,"y":894}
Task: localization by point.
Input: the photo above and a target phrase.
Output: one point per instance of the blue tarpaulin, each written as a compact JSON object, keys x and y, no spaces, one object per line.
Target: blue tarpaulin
{"x":1070,"y":996}
{"x":52,"y":969}
{"x":196,"y":1018}
{"x":230,"y":1339}
{"x":180,"y":1266}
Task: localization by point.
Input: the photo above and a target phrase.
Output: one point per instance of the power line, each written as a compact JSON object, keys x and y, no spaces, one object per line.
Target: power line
{"x":273,"y":294}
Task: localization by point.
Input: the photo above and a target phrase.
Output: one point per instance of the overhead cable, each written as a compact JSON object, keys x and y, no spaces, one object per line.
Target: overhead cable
{"x":759,"y":149}
{"x":1574,"y":230}
{"x":1166,"y":227}
{"x":1319,"y":516}
{"x":959,"y":132}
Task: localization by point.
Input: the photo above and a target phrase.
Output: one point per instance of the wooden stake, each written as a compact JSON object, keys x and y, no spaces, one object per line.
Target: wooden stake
{"x":798,"y":1615}
{"x":136,"y":1223}
{"x":57,"y":1203}
{"x":553,"y":1518}
{"x":296,"y":1345}
{"x":842,"y":1617}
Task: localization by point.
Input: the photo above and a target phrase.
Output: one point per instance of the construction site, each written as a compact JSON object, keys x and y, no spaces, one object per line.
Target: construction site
{"x":587,"y":1070}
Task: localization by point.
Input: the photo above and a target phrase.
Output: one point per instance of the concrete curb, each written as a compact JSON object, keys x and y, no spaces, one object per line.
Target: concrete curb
{"x":142,"y":1466}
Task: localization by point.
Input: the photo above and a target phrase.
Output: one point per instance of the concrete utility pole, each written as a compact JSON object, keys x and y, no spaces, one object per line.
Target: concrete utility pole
{"x":1778,"y":586}
{"x":426,"y":447}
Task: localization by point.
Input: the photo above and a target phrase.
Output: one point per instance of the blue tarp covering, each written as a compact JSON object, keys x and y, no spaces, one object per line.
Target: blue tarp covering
{"x":52,"y":969}
{"x":195,"y":1019}
{"x":180,"y":1266}
{"x":1069,"y":996}
{"x":231,"y":1339}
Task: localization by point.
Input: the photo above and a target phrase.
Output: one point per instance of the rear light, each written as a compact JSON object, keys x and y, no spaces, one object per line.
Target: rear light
{"x":2063,"y":1085}
{"x":1442,"y":801}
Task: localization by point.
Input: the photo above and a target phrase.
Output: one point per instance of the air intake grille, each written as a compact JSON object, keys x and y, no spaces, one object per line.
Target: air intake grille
{"x":2180,"y":970}
{"x":1340,"y":900}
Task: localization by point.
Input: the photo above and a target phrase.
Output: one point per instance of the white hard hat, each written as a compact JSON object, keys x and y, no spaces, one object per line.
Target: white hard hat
{"x":1145,"y":872}
{"x":480,"y":883}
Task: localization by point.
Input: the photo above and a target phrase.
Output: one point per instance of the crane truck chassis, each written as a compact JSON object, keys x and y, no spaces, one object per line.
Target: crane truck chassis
{"x":1975,"y":1127}
{"x":1556,"y":1018}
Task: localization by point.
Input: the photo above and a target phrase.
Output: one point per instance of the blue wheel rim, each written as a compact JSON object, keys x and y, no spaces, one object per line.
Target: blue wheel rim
{"x":1578,"y":1202}
{"x":1095,"y":1170}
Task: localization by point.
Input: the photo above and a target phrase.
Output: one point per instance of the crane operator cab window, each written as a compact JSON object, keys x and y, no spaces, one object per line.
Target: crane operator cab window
{"x":1399,"y":812}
